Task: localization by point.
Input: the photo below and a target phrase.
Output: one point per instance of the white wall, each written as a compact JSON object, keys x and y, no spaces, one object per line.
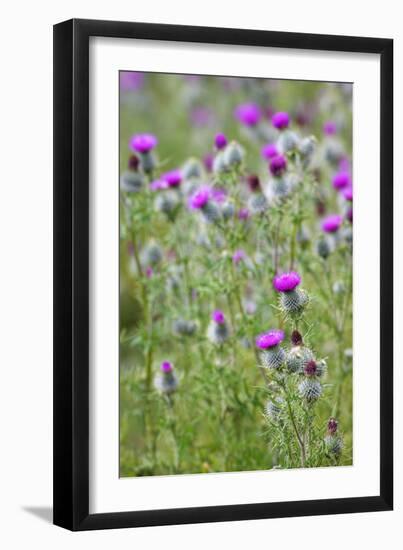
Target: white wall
{"x":26,"y":281}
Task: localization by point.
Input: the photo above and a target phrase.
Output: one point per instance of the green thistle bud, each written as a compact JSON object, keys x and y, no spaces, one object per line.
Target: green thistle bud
{"x":310,"y":389}
{"x":233,"y":154}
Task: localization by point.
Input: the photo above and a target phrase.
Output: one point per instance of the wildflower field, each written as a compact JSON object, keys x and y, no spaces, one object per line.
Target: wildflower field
{"x":235,"y":274}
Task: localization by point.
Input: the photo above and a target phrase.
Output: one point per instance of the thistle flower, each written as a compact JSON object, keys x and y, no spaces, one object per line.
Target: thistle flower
{"x":269,"y":151}
{"x":280,"y":120}
{"x":243,"y":214}
{"x":297,"y":358}
{"x":248,"y":114}
{"x":341,"y":180}
{"x":131,"y":182}
{"x":172,"y":178}
{"x":292,"y":300}
{"x":329,"y":128}
{"x":253,"y":182}
{"x":200,"y":198}
{"x":133,"y":162}
{"x":349,"y":215}
{"x":217,"y":331}
{"x":332,"y":223}
{"x":166,"y":381}
{"x":332,"y":425}
{"x":333,"y":441}
{"x":348,"y":193}
{"x":233,"y":154}
{"x":278,"y":165}
{"x":272,"y":355}
{"x":220,"y":141}
{"x":130,"y":81}
{"x":143,"y":143}
{"x":287,"y":281}
{"x":238,"y":256}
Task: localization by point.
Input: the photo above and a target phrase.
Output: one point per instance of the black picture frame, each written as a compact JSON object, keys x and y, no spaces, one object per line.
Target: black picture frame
{"x":71,"y":274}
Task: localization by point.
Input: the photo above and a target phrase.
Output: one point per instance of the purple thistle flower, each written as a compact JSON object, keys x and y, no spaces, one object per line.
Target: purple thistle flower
{"x":270,"y":339}
{"x":280,"y":120}
{"x":248,"y":114}
{"x":201,"y":116}
{"x":269,"y":151}
{"x":287,"y":281}
{"x":172,"y":178}
{"x":349,"y":215}
{"x":218,"y":317}
{"x":253,"y":182}
{"x":220,"y":141}
{"x":157,"y":185}
{"x":332,"y":223}
{"x":243,"y":214}
{"x":238,"y":256}
{"x":166,"y":367}
{"x":149,"y":272}
{"x":200,"y":198}
{"x":329,"y":128}
{"x":296,"y":338}
{"x":208,"y":161}
{"x":310,"y":368}
{"x":143,"y":143}
{"x":348,"y":194}
{"x":130,"y":81}
{"x":218,"y":195}
{"x":332,"y":425}
{"x":277,"y":165}
{"x":133,"y":163}
{"x":341,"y":179}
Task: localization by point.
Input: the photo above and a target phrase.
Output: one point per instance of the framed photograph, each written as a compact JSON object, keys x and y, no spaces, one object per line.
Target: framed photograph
{"x":223,"y":303}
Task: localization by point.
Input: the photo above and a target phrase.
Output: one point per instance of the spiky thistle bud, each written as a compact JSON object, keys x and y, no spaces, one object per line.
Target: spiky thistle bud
{"x":192,"y":169}
{"x":227,"y":210}
{"x":167,"y":203}
{"x":183,"y":327}
{"x":131,"y":181}
{"x":297,"y":358}
{"x":274,"y":408}
{"x":324,"y":247}
{"x":310,"y":389}
{"x":219,"y":163}
{"x":279,"y":187}
{"x":296,"y":338}
{"x":288,"y":141}
{"x":258,"y":204}
{"x":233,"y":154}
